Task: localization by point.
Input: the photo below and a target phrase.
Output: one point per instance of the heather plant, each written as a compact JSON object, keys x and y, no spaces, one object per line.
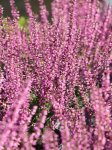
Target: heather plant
{"x":56,"y":76}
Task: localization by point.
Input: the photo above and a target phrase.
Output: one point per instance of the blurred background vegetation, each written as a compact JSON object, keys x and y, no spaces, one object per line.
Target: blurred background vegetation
{"x":21,"y":7}
{"x":34,"y":4}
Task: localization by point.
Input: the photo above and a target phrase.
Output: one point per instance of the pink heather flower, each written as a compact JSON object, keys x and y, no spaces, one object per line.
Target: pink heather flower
{"x":51,"y":142}
{"x":69,"y":62}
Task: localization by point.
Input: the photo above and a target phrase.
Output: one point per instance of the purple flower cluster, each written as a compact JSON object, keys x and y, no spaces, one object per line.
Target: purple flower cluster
{"x":65,"y":67}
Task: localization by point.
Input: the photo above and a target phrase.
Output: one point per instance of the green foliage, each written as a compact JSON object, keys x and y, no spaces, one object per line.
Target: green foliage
{"x":23,"y":24}
{"x":34,"y":101}
{"x":71,"y":104}
{"x":5,"y":24}
{"x":22,"y":21}
{"x":79,"y":97}
{"x":50,"y":114}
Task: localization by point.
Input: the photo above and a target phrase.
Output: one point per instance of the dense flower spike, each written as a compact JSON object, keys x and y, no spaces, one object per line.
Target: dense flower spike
{"x":14,"y":11}
{"x":56,"y":77}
